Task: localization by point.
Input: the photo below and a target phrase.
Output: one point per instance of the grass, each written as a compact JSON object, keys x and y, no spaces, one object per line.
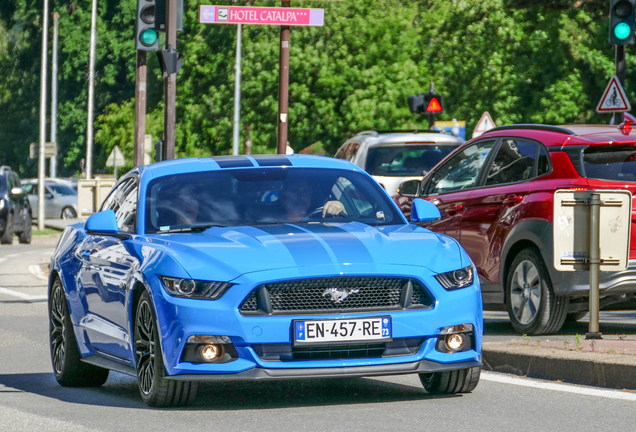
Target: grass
{"x":44,"y":232}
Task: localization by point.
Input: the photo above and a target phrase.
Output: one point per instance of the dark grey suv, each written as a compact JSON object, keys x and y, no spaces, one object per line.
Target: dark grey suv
{"x":15,"y":211}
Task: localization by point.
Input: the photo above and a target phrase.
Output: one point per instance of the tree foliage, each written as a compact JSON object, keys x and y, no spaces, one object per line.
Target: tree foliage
{"x":544,"y":61}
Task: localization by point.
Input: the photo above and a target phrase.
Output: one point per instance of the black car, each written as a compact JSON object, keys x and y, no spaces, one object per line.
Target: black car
{"x":15,"y":210}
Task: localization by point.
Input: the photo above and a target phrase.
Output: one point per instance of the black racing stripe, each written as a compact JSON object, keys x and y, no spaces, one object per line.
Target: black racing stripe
{"x":304,"y":247}
{"x":343,"y":244}
{"x":233,"y":162}
{"x":273,"y":160}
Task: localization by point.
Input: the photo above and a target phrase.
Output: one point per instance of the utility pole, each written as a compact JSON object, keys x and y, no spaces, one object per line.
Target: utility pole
{"x":41,"y":158}
{"x":283,"y":87}
{"x":56,"y":21}
{"x":237,"y":92}
{"x":140,"y":108}
{"x":91,"y":93}
{"x":170,"y":84}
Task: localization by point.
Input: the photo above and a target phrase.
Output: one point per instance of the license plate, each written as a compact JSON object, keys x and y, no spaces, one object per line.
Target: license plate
{"x":342,"y":330}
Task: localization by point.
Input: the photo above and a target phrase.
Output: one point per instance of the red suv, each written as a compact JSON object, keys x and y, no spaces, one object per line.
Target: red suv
{"x":495,"y":195}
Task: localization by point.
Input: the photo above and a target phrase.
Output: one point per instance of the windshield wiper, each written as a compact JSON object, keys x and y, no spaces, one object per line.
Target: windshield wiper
{"x":193,"y":229}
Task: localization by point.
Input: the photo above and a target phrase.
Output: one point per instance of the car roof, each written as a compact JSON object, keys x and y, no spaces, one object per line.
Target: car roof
{"x":566,"y":135}
{"x":381,"y":138}
{"x":218,"y":163}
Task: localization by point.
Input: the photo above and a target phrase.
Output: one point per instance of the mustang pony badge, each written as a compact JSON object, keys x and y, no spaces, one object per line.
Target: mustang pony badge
{"x":339,"y":295}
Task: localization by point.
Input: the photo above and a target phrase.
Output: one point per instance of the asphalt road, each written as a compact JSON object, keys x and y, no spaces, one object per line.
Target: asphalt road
{"x":31,"y":400}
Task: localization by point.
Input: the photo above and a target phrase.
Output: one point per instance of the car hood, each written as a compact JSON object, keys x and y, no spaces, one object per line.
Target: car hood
{"x":227,"y":253}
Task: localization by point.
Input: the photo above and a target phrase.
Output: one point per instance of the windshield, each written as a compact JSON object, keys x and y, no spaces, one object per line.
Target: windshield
{"x":404,"y":161}
{"x":197,"y":201}
{"x":61,"y":190}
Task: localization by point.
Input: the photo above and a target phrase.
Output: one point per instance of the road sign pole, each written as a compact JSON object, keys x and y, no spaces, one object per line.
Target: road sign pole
{"x":595,"y":266}
{"x":91,"y":93}
{"x":170,"y":84}
{"x":56,"y":21}
{"x":42,"y":159}
{"x":237,"y":93}
{"x":140,"y":108}
{"x":620,"y":74}
{"x":283,"y":87}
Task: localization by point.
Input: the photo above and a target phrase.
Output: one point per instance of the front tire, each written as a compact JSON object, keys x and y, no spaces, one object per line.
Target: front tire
{"x":68,"y":368}
{"x":25,"y":235}
{"x":69,"y":213}
{"x":155,"y":389}
{"x":456,"y":381}
{"x":532,"y":305}
{"x":7,"y":236}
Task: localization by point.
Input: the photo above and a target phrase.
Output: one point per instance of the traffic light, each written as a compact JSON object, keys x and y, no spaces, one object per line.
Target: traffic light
{"x":622,"y":25}
{"x":146,"y":37}
{"x":426,"y":103}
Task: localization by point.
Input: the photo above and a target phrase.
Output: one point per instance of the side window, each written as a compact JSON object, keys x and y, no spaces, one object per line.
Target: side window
{"x":352,"y":151}
{"x":514,"y":162}
{"x":340,"y":154}
{"x":543,"y":163}
{"x":11,"y":182}
{"x":462,"y":170}
{"x":123,"y":201}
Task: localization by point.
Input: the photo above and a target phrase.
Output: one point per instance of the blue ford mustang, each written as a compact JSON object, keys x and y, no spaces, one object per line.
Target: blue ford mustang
{"x":264,"y":267}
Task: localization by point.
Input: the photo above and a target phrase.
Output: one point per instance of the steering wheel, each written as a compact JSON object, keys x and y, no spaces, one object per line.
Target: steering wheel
{"x":317,"y":214}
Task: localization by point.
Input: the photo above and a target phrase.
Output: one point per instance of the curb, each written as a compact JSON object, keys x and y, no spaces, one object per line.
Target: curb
{"x":589,"y":368}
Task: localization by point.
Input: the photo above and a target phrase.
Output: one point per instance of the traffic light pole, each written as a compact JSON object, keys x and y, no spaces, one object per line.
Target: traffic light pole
{"x":140,"y":108}
{"x":170,"y":85}
{"x":619,"y":61}
{"x":283,"y":87}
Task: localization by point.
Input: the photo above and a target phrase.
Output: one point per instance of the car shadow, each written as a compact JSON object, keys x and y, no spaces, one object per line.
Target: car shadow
{"x":121,"y":391}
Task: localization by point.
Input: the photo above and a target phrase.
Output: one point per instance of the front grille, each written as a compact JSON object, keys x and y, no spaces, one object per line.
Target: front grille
{"x":287,"y":352}
{"x":336,"y":294}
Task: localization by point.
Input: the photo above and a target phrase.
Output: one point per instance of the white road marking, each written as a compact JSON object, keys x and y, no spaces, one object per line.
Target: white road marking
{"x":36,"y":271}
{"x":23,"y":296}
{"x":562,"y":387}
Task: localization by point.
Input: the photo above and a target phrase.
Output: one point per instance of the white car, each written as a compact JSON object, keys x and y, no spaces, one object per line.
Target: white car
{"x":395,"y":157}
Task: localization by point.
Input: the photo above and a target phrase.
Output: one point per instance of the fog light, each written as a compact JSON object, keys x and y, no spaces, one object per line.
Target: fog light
{"x":211,"y":352}
{"x":454,"y":342}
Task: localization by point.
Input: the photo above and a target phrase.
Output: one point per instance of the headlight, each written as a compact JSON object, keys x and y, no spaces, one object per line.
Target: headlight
{"x":194,"y":289}
{"x":1,"y":204}
{"x":456,"y":279}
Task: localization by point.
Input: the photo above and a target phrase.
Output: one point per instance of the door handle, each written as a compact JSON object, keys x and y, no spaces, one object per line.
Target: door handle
{"x":513,"y":200}
{"x":454,"y":209}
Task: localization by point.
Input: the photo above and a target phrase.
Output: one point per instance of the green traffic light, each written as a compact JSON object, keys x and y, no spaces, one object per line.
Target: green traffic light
{"x":148,"y":37}
{"x":622,"y":30}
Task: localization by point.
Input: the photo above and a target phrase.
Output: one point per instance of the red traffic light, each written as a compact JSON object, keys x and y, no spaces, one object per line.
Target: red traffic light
{"x":434,"y":106}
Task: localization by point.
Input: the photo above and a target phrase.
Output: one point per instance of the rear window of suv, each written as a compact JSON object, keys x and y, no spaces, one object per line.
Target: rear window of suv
{"x":616,"y":163}
{"x":407,"y":160}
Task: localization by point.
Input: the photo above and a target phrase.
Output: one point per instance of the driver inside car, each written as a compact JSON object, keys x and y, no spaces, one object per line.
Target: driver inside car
{"x":296,"y":201}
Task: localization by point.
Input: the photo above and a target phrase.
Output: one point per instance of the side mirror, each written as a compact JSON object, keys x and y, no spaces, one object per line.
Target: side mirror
{"x":17,"y":191}
{"x":424,"y":211}
{"x":103,"y":222}
{"x":409,"y":188}
{"x":48,"y":196}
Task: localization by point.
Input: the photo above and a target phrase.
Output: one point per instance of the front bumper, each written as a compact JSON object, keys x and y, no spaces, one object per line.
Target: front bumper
{"x":577,"y":284}
{"x":180,"y":318}
{"x":423,"y":366}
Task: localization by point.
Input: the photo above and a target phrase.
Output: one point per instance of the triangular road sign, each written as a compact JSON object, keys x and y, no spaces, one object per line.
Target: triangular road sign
{"x":614,"y":99}
{"x":485,"y":123}
{"x":116,"y":158}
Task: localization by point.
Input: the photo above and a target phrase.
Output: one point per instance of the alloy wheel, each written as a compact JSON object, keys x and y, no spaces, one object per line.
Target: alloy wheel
{"x":525,"y":292}
{"x":57,"y":330}
{"x":145,"y":347}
